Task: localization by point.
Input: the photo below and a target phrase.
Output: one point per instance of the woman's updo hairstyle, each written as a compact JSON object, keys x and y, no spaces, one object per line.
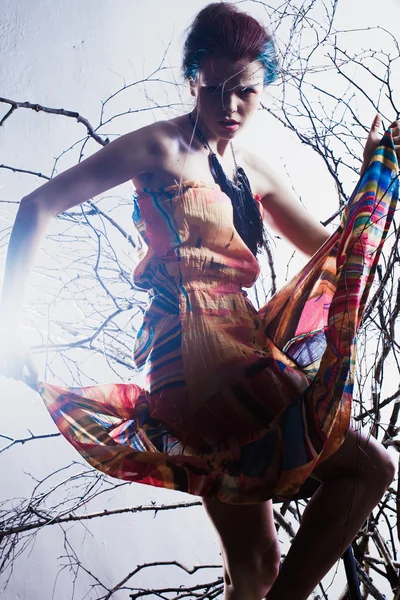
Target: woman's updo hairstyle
{"x":220,"y":29}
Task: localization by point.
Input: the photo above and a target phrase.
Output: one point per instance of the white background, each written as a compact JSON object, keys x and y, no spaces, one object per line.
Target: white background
{"x":74,"y":54}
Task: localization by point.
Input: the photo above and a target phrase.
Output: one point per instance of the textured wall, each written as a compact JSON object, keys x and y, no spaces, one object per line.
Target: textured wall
{"x":73,"y":54}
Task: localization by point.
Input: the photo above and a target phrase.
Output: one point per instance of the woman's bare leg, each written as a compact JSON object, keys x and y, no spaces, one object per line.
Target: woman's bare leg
{"x":250,"y":549}
{"x":354,"y":479}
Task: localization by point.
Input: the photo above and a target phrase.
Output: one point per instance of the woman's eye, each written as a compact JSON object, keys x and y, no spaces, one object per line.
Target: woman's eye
{"x":246,"y":91}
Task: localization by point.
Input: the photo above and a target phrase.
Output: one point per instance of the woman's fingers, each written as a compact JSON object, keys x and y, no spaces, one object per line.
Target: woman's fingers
{"x":15,"y":358}
{"x":372,"y":141}
{"x":376,"y":124}
{"x":32,"y":372}
{"x":395,"y":128}
{"x":13,"y":364}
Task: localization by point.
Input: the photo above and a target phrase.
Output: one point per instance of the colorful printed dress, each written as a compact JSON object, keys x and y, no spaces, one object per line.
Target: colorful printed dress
{"x":239,"y":404}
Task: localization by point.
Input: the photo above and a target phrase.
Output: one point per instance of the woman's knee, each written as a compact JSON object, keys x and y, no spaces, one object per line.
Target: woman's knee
{"x":388,"y":467}
{"x":377,"y":461}
{"x":359,"y":457}
{"x":272,"y":560}
{"x":249,"y":544}
{"x":255,"y":567}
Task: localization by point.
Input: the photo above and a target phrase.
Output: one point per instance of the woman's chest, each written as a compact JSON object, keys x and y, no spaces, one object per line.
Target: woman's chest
{"x":181,"y":167}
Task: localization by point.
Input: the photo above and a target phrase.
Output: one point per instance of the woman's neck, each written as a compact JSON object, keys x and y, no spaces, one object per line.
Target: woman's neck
{"x":218,"y":145}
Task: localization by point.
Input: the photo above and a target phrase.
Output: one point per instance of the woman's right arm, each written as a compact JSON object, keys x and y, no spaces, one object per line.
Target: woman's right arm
{"x":119,"y":161}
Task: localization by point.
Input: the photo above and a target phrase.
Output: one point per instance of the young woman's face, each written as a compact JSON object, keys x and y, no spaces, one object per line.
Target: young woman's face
{"x":228,"y":92}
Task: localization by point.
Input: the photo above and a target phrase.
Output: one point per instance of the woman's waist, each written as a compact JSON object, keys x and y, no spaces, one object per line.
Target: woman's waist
{"x":162,"y":319}
{"x":194,"y":272}
{"x":175,"y":292}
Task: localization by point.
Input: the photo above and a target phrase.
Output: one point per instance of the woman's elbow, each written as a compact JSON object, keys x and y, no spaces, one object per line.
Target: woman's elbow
{"x":313,"y":243}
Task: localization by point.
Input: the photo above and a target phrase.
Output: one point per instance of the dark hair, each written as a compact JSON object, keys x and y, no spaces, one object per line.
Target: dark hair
{"x":221,"y":29}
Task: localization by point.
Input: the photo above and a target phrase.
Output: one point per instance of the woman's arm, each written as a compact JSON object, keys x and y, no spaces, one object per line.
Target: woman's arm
{"x":284,"y":212}
{"x":119,"y":161}
{"x":287,"y":216}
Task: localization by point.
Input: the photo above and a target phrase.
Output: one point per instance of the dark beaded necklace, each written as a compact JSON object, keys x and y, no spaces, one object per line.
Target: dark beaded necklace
{"x":246,"y":215}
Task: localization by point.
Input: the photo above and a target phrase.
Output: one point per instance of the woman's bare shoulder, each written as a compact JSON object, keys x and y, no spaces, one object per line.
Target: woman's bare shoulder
{"x":262,"y":176}
{"x":132,"y":155}
{"x":158,"y":138}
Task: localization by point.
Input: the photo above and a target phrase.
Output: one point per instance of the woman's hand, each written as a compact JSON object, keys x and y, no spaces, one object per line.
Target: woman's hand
{"x":374,"y":137}
{"x":395,"y":127}
{"x":15,"y":358}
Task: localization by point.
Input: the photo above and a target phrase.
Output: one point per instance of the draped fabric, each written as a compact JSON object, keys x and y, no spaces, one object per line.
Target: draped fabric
{"x":239,"y":404}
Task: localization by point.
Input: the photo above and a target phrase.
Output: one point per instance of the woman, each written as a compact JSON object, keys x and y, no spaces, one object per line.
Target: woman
{"x":226,"y":414}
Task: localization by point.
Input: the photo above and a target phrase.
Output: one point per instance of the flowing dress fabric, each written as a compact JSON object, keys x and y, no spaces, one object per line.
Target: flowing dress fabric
{"x":239,"y":404}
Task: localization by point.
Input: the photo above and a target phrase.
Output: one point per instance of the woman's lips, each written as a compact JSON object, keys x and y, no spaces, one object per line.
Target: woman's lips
{"x":228,"y":125}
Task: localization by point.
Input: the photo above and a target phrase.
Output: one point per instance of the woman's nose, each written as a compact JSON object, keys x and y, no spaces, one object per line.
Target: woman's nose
{"x":229,"y":102}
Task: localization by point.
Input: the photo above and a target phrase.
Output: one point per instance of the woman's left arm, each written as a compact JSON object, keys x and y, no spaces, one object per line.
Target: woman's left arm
{"x":287,"y":216}
{"x":285,"y":213}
